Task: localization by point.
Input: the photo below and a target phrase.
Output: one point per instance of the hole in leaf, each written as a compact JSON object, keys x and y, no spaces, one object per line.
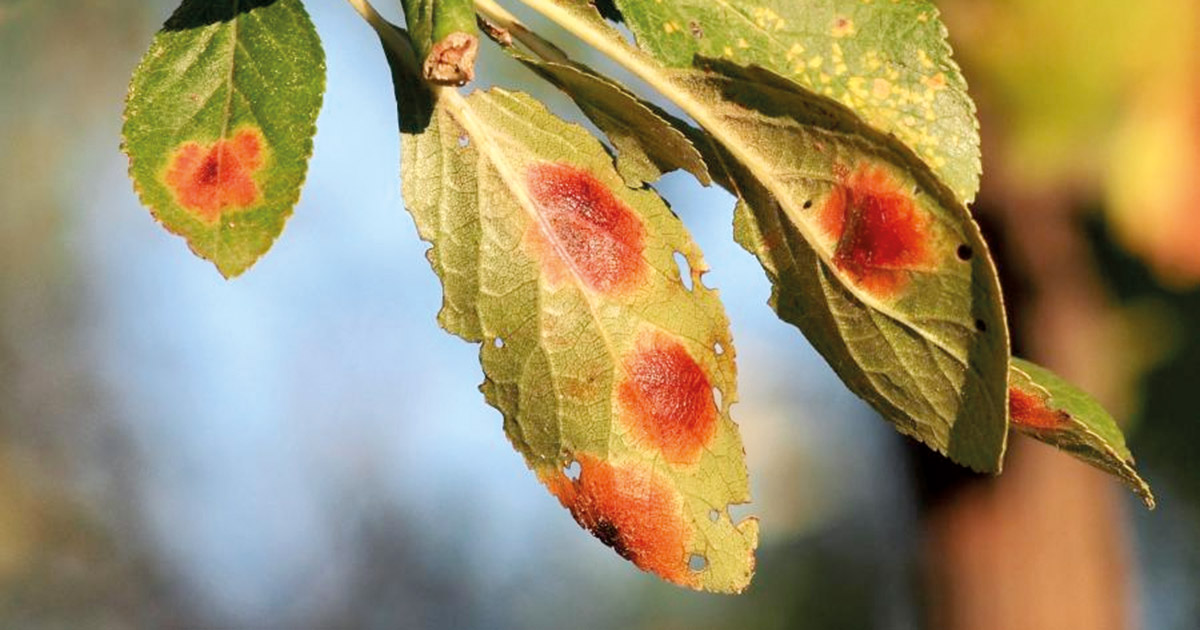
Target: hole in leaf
{"x":807,"y":204}
{"x":685,"y":270}
{"x":717,"y":396}
{"x":980,"y":325}
{"x":738,"y":512}
{"x":464,"y":141}
{"x":916,"y":189}
{"x":714,"y":515}
{"x":697,"y":562}
{"x":572,"y":471}
{"x":718,"y":348}
{"x":498,"y":342}
{"x":964,"y":252}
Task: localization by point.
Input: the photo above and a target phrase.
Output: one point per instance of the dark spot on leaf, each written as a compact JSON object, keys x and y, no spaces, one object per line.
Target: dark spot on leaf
{"x":1028,"y":410}
{"x":208,"y":179}
{"x":631,"y":509}
{"x":667,"y":399}
{"x":981,"y":325}
{"x":697,"y":30}
{"x":589,"y":227}
{"x":807,"y":204}
{"x":964,"y":252}
{"x":607,"y":533}
{"x":882,"y":235}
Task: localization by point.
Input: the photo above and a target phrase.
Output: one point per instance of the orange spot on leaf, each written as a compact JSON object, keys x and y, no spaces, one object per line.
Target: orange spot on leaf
{"x":631,"y":509}
{"x":208,"y":179}
{"x":667,"y":400}
{"x":1028,"y":410}
{"x":590,"y":229}
{"x":881,"y":234}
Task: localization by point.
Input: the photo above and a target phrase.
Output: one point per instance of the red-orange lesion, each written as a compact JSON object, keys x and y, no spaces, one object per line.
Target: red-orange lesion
{"x":1033,"y":411}
{"x":586,"y":227}
{"x":631,"y":509}
{"x":208,"y":180}
{"x":881,"y":233}
{"x":666,"y":398}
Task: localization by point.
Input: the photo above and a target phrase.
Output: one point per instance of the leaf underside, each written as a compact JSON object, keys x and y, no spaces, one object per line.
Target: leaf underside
{"x":219,"y":124}
{"x":1047,"y":408}
{"x":615,"y":379}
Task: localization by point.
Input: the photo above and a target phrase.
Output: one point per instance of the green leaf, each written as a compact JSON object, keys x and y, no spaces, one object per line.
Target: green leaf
{"x":594,"y":348}
{"x":1047,"y":408}
{"x":870,"y":255}
{"x":219,"y":124}
{"x":887,"y":60}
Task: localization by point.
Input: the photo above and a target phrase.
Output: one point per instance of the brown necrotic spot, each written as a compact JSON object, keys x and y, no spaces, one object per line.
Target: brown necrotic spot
{"x":666,"y":399}
{"x":1031,"y":411}
{"x":587,"y":226}
{"x":208,"y":179}
{"x":881,"y":233}
{"x":631,"y":509}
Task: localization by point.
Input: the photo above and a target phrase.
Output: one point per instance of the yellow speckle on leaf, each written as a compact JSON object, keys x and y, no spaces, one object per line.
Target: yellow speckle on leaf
{"x":795,"y":51}
{"x":935,"y":82}
{"x":670,"y":27}
{"x":767,"y":19}
{"x":923,"y":57}
{"x":881,"y":89}
{"x":843,"y":27}
{"x":742,"y":43}
{"x":923,"y":17}
{"x":728,"y":51}
{"x":815,"y":62}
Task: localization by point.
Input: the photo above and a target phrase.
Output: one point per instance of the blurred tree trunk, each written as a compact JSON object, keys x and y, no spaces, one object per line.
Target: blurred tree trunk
{"x":1045,"y":545}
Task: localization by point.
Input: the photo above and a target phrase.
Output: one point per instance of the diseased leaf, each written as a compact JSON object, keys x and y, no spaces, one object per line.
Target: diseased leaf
{"x":887,"y":60}
{"x":219,"y":124}
{"x":1047,"y":408}
{"x":602,"y":360}
{"x":870,"y":255}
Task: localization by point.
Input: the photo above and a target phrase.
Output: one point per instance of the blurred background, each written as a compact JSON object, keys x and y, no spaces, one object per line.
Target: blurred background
{"x":304,"y":448}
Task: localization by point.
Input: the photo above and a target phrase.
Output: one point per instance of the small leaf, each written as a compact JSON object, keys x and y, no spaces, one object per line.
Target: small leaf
{"x":1047,"y":408}
{"x":219,"y":124}
{"x":888,"y":61}
{"x":614,"y":377}
{"x":869,"y":254}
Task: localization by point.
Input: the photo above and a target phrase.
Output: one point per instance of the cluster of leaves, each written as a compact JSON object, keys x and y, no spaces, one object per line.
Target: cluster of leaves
{"x":842,"y":127}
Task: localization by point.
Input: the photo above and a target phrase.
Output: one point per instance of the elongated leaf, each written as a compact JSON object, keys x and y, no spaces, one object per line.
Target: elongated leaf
{"x":219,"y":124}
{"x":600,"y":357}
{"x":870,"y":255}
{"x":1047,"y":408}
{"x":887,"y":60}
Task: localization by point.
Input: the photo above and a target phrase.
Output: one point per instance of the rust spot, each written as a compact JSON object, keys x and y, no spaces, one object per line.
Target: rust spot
{"x":631,"y":509}
{"x":1028,"y":410}
{"x":208,"y":179}
{"x":881,"y":233}
{"x":591,"y":230}
{"x":667,"y":400}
